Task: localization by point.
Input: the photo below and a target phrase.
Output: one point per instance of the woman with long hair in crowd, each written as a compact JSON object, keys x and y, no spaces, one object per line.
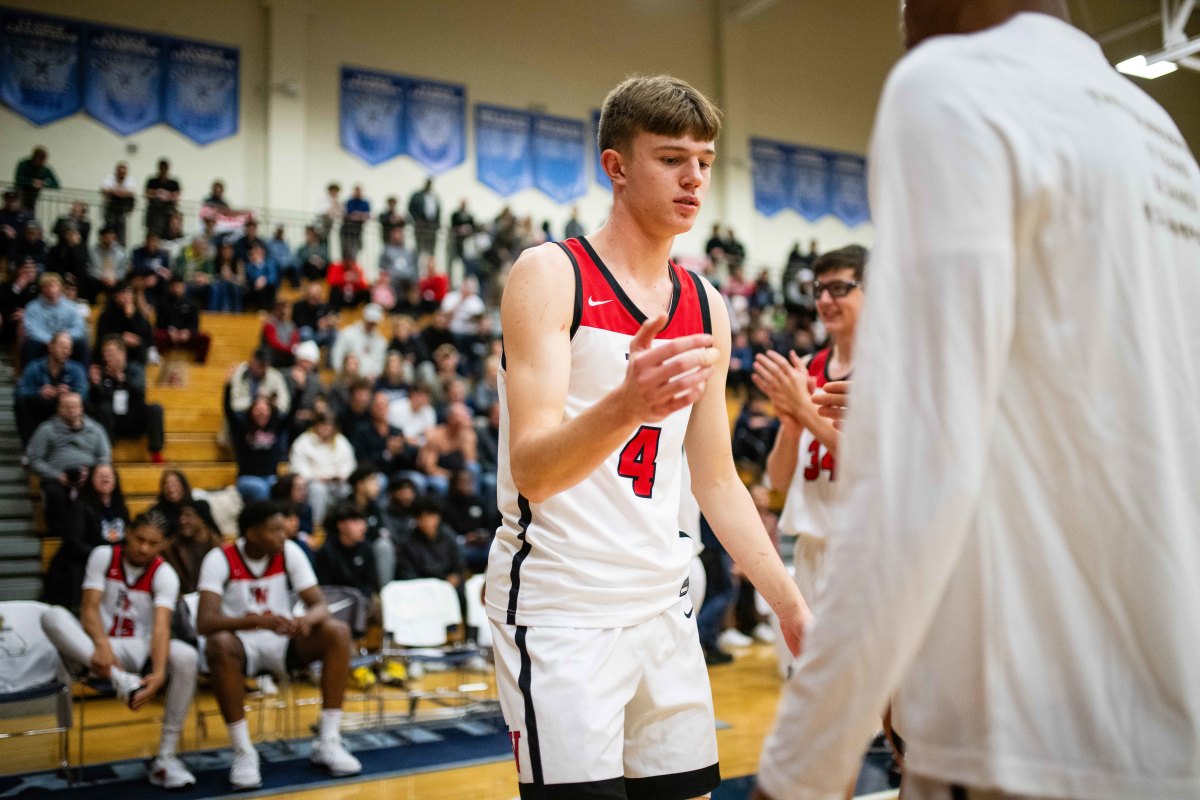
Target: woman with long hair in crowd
{"x":99,"y":517}
{"x":196,"y":535}
{"x":228,"y":281}
{"x":173,"y":490}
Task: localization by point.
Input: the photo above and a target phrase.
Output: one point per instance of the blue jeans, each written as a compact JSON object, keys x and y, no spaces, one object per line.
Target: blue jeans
{"x":719,"y":595}
{"x":255,"y":487}
{"x":226,"y":296}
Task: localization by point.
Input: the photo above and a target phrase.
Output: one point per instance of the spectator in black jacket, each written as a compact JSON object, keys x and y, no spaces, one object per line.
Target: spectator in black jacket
{"x":123,"y":317}
{"x":16,"y":293}
{"x":69,"y":256}
{"x":316,"y":321}
{"x":380,"y":444}
{"x":100,"y":517}
{"x":117,"y":398}
{"x":178,"y":323}
{"x":431,"y":549}
{"x":467,"y":514}
{"x":259,"y":437}
{"x":346,"y":559}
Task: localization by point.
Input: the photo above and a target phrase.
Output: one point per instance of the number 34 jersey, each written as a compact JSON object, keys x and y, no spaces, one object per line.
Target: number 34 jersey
{"x":810,"y":495}
{"x":607,"y":552}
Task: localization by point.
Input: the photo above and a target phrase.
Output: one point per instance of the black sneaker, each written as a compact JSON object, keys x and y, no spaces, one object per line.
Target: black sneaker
{"x":713,"y":657}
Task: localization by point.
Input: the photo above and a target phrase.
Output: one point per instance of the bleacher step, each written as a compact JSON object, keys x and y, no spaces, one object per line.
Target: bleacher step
{"x":29,"y":567}
{"x":20,"y":507}
{"x":21,"y":546}
{"x":20,"y":588}
{"x":12,"y":474}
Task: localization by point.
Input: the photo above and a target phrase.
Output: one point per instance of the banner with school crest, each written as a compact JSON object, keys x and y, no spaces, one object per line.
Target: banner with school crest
{"x":503,"y":149}
{"x":123,"y":79}
{"x":559,"y":157}
{"x":814,"y":183}
{"x":372,"y":115}
{"x":202,"y":88}
{"x":39,"y":66}
{"x":52,"y":68}
{"x":435,"y":117}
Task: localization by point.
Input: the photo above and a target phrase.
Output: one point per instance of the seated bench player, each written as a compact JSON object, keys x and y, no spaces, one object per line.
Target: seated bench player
{"x":246,"y":613}
{"x":124,"y":636}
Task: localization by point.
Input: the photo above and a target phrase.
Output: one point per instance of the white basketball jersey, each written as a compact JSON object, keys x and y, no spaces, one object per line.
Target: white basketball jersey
{"x":246,"y":590}
{"x":608,"y":551}
{"x":806,"y":509}
{"x":127,"y":607}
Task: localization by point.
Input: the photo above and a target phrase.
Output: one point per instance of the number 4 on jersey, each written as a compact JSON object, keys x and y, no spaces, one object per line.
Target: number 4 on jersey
{"x":638,"y":458}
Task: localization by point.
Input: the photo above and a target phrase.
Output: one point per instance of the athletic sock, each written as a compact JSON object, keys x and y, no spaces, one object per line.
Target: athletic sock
{"x":169,"y":742}
{"x":239,"y":736}
{"x":331,"y":723}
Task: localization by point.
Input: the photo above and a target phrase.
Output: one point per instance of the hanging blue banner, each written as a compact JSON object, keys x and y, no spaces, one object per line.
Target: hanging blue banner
{"x":770,"y":165}
{"x":435,"y":117}
{"x":601,"y":176}
{"x":809,"y":176}
{"x":201,"y":95}
{"x":503,"y":149}
{"x":123,"y":79}
{"x":848,"y":176}
{"x":372,"y":114}
{"x":39,"y":66}
{"x":559,"y":157}
{"x":813,"y":183}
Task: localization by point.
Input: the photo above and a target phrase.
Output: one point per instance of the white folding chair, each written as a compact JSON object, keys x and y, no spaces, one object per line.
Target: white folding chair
{"x":476,"y":615}
{"x":416,"y":617}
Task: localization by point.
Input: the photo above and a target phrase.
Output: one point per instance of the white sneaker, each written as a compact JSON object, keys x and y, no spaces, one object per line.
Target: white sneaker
{"x":734,"y":638}
{"x":152,"y":356}
{"x":764,"y":633}
{"x":266,"y":685}
{"x":170,"y":773}
{"x":125,"y":684}
{"x":244,"y":774}
{"x":330,"y":754}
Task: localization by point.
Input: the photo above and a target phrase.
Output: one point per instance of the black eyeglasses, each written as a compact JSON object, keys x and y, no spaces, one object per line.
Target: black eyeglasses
{"x":836,"y":289}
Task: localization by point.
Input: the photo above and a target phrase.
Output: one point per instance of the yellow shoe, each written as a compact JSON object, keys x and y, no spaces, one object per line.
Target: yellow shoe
{"x":363,"y":678}
{"x":394,"y":672}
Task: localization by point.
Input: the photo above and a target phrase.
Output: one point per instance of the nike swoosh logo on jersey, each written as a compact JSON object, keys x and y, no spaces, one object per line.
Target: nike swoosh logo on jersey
{"x":691,"y":611}
{"x":594,"y":303}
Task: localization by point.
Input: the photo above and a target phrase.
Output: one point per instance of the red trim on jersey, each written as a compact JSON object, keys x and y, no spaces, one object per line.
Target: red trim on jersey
{"x":239,"y":570}
{"x":606,"y":306}
{"x":818,"y":366}
{"x":116,"y":571}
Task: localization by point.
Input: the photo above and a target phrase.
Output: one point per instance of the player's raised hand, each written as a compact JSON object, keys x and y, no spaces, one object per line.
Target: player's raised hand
{"x":786,"y":383}
{"x":661,"y":380}
{"x":832,"y":400}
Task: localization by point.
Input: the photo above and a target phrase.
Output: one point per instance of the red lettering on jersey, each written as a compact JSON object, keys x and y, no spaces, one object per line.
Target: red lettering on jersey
{"x":818,"y":462}
{"x":515,"y":736}
{"x":260,"y":594}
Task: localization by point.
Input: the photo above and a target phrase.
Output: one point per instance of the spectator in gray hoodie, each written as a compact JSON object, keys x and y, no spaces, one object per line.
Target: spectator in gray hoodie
{"x":62,"y":453}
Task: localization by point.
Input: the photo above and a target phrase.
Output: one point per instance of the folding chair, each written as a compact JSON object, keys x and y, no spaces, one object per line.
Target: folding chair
{"x":416,"y":616}
{"x":476,"y":615}
{"x":32,"y":675}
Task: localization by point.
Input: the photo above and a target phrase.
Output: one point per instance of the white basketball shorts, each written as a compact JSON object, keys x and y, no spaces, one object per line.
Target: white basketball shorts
{"x":612,"y":713}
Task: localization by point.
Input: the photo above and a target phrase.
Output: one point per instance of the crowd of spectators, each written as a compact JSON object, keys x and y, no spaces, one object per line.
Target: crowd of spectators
{"x":369,"y":407}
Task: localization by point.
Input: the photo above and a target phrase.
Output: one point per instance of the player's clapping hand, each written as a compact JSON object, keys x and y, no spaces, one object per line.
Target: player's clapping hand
{"x":661,"y":380}
{"x":833,"y":400}
{"x":786,"y":383}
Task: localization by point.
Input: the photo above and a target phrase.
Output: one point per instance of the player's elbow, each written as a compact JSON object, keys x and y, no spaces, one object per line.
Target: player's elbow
{"x":531,"y":483}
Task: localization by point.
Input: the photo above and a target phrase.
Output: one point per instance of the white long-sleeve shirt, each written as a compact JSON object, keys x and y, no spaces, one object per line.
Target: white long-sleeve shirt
{"x":1018,"y":548}
{"x":313,"y":459}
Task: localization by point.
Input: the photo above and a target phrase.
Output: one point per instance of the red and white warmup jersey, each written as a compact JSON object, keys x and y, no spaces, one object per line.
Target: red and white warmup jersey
{"x":806,"y":509}
{"x":606,"y":552}
{"x":256,"y":586}
{"x":129,"y":594}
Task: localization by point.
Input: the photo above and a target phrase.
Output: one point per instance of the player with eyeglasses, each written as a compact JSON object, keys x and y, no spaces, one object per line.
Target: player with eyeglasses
{"x":804,"y":459}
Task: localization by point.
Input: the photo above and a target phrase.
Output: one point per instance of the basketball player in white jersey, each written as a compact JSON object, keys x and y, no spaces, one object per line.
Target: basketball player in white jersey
{"x":1016,"y":551}
{"x":246,"y":613}
{"x":129,"y":595}
{"x":615,"y":358}
{"x":803,"y":460}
